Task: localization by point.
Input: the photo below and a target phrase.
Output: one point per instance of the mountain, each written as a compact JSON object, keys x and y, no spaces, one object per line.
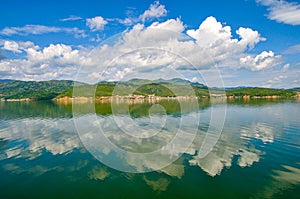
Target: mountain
{"x":5,"y":80}
{"x":176,"y":81}
{"x":296,"y":89}
{"x":160,"y":87}
{"x":15,"y":89}
{"x":236,"y":88}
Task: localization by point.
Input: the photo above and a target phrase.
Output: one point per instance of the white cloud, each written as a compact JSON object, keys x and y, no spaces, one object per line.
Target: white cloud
{"x":40,"y":29}
{"x":175,"y":25}
{"x":261,"y":61}
{"x":212,"y":34}
{"x":285,"y":67}
{"x":27,"y":44}
{"x":96,"y":23}
{"x":71,"y":18}
{"x":263,"y":78}
{"x":249,"y":37}
{"x":155,"y":10}
{"x":19,"y":46}
{"x":159,"y":49}
{"x":277,"y":79}
{"x":11,"y":46}
{"x":194,"y":79}
{"x":282,"y":11}
{"x":53,"y":51}
{"x":127,"y":21}
{"x":53,"y":62}
{"x":218,"y":42}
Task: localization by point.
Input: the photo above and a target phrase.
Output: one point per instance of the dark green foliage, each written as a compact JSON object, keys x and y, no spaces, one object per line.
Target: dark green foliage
{"x":260,"y":92}
{"x":162,"y":88}
{"x":43,"y":90}
{"x":35,"y":109}
{"x":156,"y":89}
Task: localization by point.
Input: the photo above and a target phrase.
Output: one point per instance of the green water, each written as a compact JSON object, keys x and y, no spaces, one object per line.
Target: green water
{"x":256,"y":156}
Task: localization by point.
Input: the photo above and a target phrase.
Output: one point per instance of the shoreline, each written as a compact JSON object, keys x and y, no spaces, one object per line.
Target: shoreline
{"x":121,"y":99}
{"x":150,"y":98}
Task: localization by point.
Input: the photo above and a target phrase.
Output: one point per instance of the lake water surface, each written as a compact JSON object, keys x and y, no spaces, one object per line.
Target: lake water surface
{"x":257,"y":155}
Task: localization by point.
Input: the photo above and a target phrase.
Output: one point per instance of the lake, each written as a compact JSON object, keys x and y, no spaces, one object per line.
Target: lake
{"x":46,"y":151}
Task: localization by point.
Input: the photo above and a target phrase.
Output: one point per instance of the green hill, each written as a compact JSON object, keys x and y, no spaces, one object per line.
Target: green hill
{"x":43,"y":90}
{"x":15,"y":89}
{"x":163,"y":88}
{"x":260,"y":92}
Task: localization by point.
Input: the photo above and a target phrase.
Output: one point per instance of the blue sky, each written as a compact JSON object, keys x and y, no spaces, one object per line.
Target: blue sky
{"x":248,"y":42}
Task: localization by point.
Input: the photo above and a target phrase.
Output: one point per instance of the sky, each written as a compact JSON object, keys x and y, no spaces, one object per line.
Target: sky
{"x":219,"y":43}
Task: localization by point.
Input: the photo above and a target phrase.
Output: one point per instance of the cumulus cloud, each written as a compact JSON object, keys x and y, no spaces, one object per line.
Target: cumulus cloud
{"x":96,"y":23}
{"x":53,"y":51}
{"x":162,"y":47}
{"x":143,"y":51}
{"x":175,"y":25}
{"x":219,"y":43}
{"x":27,"y":44}
{"x":212,"y":34}
{"x":40,"y":29}
{"x":261,"y":61}
{"x":155,"y":10}
{"x":282,"y":11}
{"x":249,"y":37}
{"x":19,"y":46}
{"x":11,"y":46}
{"x":57,"y":61}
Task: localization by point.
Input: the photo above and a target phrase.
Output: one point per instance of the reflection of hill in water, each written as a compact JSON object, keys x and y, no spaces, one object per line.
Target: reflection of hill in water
{"x":257,"y":102}
{"x":39,"y":109}
{"x":171,"y":107}
{"x":49,"y":109}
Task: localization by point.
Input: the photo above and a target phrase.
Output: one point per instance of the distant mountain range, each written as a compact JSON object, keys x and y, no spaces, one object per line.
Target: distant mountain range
{"x":6,"y":80}
{"x":295,"y":89}
{"x":45,"y":90}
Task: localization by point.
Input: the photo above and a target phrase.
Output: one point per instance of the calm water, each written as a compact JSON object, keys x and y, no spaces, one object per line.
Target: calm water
{"x":256,"y":156}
